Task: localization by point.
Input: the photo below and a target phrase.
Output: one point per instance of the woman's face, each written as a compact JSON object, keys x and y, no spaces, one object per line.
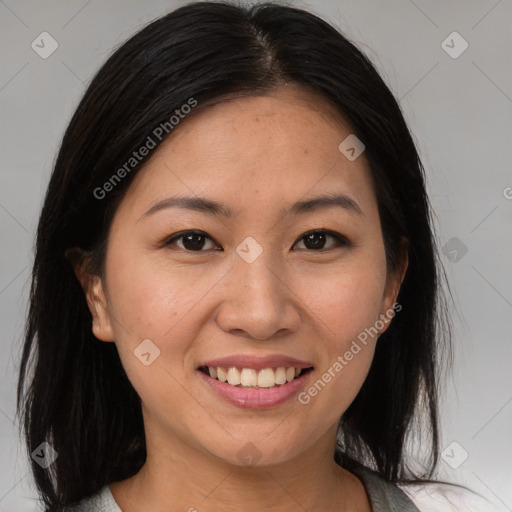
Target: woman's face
{"x":255,"y":290}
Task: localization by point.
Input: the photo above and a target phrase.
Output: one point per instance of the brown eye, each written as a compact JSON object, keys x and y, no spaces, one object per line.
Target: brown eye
{"x":193,"y":241}
{"x":315,"y":240}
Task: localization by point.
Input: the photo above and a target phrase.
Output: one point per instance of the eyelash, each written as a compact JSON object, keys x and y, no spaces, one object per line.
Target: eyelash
{"x":341,"y":240}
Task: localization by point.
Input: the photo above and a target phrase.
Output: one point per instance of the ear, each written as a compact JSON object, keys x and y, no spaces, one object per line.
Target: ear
{"x":93,"y":287}
{"x":393,"y":283}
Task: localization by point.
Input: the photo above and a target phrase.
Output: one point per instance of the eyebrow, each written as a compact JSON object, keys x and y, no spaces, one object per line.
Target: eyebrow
{"x":211,"y":207}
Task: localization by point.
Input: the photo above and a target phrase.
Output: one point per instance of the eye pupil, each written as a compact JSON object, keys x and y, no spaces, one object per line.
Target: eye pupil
{"x":194,"y":238}
{"x":319,"y":237}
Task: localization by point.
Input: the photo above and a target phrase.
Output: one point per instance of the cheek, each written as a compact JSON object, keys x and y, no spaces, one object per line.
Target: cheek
{"x":148,"y":302}
{"x":153,"y":304}
{"x":345,"y":302}
{"x":345,"y":307}
{"x":151,"y":300}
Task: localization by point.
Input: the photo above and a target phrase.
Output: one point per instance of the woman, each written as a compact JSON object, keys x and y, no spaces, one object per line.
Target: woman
{"x":236,"y":293}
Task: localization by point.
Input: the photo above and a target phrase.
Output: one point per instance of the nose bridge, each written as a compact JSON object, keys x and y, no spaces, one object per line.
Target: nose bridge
{"x":256,"y":272}
{"x":255,"y":298}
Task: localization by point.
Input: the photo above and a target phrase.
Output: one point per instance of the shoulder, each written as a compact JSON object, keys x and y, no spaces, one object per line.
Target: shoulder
{"x":384,"y":496}
{"x":445,"y":497}
{"x":419,"y":497}
{"x":102,"y":501}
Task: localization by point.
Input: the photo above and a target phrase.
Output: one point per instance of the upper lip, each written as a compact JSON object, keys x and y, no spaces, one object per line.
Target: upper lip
{"x":257,"y":362}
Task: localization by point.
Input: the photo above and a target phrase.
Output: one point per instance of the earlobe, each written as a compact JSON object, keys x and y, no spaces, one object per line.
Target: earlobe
{"x":92,"y":286}
{"x":98,"y":305}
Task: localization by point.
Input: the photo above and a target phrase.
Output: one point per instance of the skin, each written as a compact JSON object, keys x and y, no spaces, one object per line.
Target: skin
{"x":255,"y":155}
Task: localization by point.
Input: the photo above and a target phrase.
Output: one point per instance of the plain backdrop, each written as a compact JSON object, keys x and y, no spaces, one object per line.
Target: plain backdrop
{"x":459,"y":108}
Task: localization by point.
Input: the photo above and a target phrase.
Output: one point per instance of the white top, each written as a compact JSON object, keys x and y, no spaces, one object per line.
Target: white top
{"x":435,"y":497}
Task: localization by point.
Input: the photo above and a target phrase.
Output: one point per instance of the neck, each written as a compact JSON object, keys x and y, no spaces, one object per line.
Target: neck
{"x":185,"y":479}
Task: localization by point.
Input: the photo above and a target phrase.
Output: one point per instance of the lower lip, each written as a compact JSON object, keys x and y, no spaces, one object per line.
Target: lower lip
{"x":248,"y":398}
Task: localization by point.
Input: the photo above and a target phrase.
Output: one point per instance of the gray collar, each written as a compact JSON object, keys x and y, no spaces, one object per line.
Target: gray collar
{"x":384,"y":496}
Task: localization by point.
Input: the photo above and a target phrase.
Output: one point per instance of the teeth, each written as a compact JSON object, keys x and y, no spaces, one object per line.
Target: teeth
{"x":222,"y":374}
{"x":233,"y":377}
{"x":266,"y":378}
{"x":281,"y":375}
{"x":248,"y":377}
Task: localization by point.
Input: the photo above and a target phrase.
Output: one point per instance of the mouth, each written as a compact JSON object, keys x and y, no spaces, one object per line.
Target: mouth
{"x":252,"y":378}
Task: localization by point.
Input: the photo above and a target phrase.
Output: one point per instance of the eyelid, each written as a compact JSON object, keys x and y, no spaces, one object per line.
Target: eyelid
{"x":342,"y":240}
{"x":181,"y":234}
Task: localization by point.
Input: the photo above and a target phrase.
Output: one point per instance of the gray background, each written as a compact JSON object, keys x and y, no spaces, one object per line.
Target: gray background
{"x":459,"y":110}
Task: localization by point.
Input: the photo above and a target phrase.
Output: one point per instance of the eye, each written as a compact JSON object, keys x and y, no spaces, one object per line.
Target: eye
{"x":315,"y":240}
{"x":192,"y":240}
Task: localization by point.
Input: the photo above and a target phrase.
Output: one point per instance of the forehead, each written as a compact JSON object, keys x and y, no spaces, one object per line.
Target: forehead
{"x":256,"y":150}
{"x":290,"y":118}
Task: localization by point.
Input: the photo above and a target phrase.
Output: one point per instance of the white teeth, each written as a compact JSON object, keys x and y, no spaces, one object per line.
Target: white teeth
{"x":248,"y":377}
{"x":281,"y":375}
{"x":222,"y":374}
{"x":233,"y":377}
{"x":266,"y":378}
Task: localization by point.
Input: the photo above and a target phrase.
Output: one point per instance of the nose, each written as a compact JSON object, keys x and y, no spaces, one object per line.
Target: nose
{"x":257,"y":301}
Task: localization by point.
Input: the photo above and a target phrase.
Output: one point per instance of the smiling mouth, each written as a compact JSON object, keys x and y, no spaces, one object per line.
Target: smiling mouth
{"x":250,"y":378}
